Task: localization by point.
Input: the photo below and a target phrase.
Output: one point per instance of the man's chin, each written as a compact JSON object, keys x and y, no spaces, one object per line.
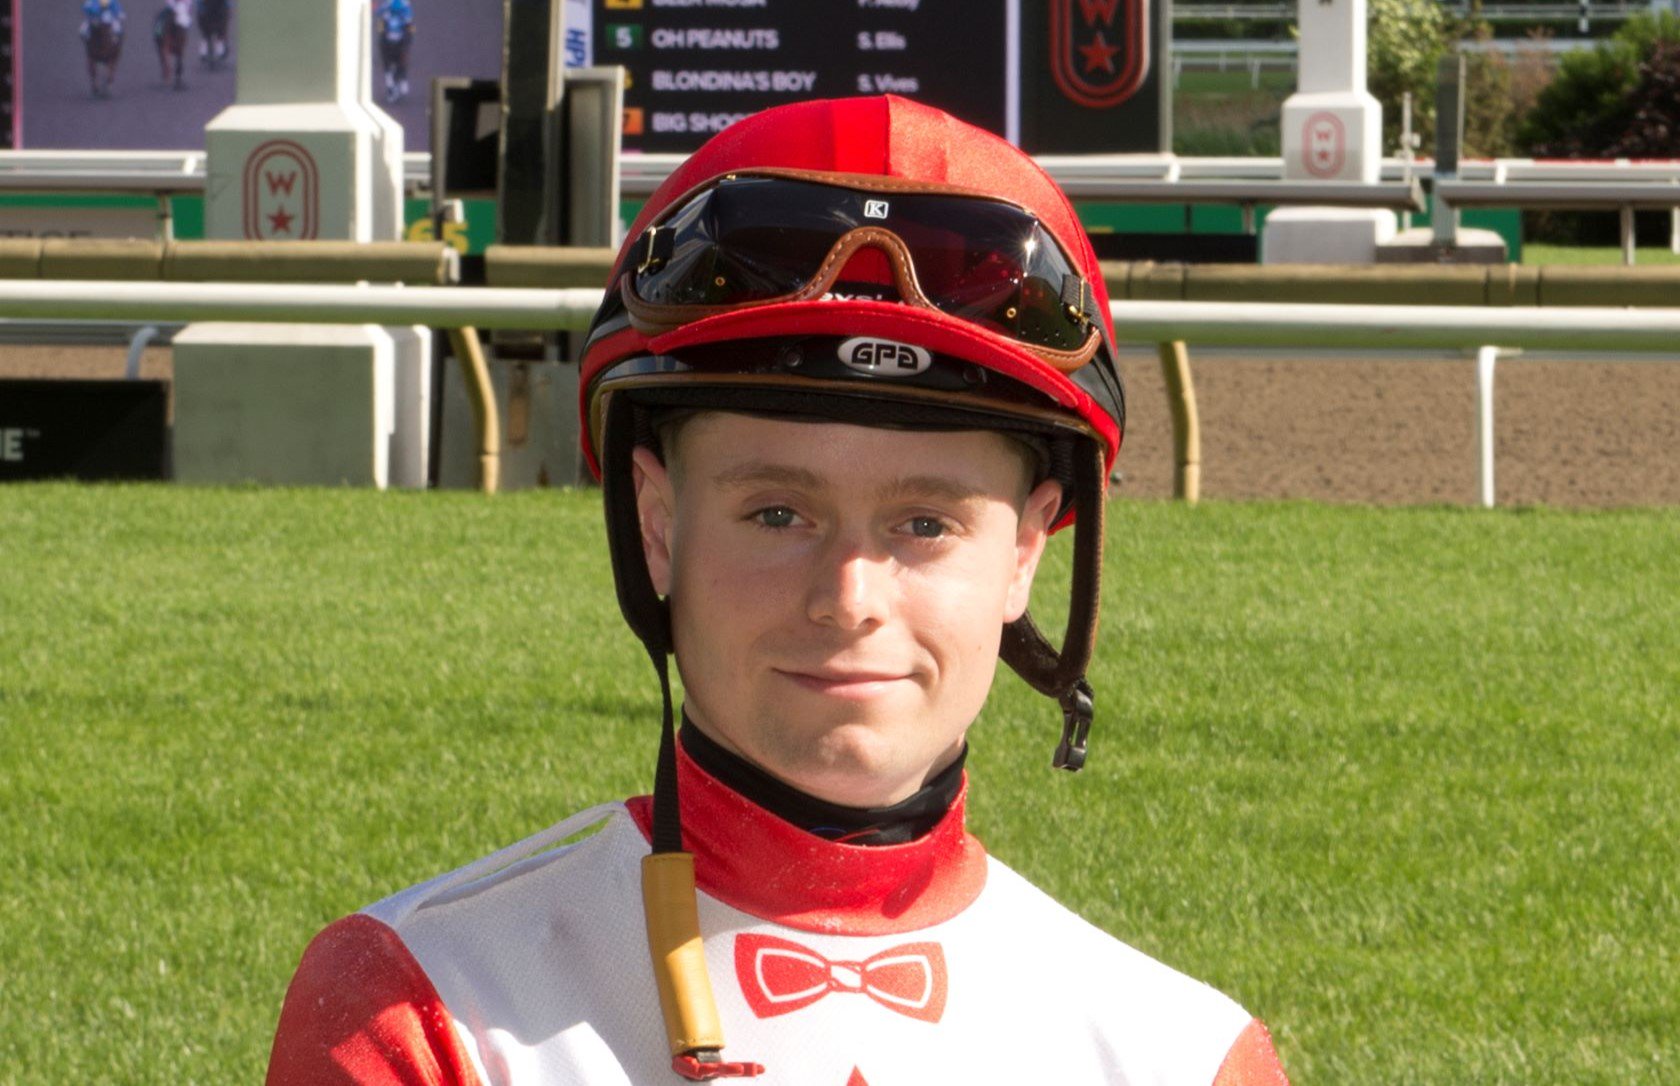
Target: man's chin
{"x":855,"y":765}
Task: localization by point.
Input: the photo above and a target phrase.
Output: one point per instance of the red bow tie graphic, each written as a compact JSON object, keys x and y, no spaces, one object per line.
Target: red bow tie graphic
{"x":778,"y":976}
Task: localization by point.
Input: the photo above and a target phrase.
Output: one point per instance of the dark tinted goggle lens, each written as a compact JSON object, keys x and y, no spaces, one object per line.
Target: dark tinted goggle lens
{"x":745,"y":240}
{"x":751,"y":239}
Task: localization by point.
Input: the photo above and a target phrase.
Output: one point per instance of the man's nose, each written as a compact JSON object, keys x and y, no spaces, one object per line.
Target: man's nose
{"x":852,"y":589}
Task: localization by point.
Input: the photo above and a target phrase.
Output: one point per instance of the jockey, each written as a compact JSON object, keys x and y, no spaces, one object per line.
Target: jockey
{"x":853,"y":366}
{"x":398,"y":17}
{"x":397,"y":20}
{"x":106,"y":12}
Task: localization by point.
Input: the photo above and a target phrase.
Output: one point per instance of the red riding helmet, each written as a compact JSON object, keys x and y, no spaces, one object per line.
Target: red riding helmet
{"x":873,"y":261}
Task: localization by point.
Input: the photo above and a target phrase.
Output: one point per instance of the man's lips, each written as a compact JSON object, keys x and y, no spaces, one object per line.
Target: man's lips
{"x":859,"y":683}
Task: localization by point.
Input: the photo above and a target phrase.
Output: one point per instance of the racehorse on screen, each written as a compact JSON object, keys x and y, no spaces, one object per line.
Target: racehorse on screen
{"x":102,"y":37}
{"x":213,"y":32}
{"x":396,"y":38}
{"x":170,"y":30}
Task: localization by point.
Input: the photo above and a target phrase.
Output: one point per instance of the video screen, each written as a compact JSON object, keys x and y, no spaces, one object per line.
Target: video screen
{"x":150,"y":74}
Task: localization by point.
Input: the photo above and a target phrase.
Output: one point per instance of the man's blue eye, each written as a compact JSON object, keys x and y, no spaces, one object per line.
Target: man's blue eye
{"x":927,"y":527}
{"x":778,"y":516}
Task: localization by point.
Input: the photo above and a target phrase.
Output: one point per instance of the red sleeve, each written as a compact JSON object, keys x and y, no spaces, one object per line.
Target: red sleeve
{"x":361,"y":1012}
{"x":1252,"y":1061}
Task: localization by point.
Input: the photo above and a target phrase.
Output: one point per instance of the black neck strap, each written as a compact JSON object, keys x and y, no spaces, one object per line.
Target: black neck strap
{"x":904,"y":821}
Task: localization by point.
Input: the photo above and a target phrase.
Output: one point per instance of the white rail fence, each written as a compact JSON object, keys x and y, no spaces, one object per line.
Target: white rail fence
{"x":1645,"y":334}
{"x":1614,"y":186}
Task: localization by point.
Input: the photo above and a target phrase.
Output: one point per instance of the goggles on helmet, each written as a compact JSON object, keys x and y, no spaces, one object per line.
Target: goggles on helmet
{"x":748,"y":239}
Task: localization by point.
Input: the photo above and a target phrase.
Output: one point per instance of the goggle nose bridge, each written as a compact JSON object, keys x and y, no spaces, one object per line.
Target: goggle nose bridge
{"x":659,"y":244}
{"x":854,"y":241}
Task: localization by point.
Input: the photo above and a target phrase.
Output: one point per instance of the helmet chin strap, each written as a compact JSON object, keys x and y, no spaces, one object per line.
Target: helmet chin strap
{"x":1061,"y":674}
{"x":693,"y":1029}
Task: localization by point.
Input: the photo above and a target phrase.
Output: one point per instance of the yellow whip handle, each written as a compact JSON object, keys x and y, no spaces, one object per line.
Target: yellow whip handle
{"x":679,"y":959}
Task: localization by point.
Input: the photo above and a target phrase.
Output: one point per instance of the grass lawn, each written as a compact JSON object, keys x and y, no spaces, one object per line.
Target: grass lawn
{"x":1535,"y":253}
{"x":1223,"y":113}
{"x":1401,"y":781}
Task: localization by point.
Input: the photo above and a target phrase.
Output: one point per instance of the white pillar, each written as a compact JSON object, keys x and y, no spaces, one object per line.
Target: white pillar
{"x":1486,"y":359}
{"x":1332,"y":127}
{"x":303,"y":153}
{"x":1332,"y":131}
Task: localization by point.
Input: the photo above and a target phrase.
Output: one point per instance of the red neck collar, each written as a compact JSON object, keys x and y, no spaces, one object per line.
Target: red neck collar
{"x":748,"y":858}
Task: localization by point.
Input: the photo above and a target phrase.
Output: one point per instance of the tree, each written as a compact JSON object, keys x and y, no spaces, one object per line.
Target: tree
{"x":1610,"y":98}
{"x":1653,"y":120}
{"x":1404,"y":41}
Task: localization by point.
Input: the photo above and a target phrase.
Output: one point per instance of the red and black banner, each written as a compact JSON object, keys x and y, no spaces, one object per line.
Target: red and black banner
{"x":1095,"y":76}
{"x":1099,"y":50}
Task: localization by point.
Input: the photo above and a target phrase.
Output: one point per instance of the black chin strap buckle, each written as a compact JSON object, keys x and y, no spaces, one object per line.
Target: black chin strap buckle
{"x":1077,"y":713}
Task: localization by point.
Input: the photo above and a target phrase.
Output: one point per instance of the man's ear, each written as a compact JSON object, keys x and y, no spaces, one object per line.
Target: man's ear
{"x":656,"y":509}
{"x":1038,"y":513}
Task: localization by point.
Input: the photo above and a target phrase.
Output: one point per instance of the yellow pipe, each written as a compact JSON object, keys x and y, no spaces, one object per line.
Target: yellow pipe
{"x":139,"y":260}
{"x":1187,"y":431}
{"x":476,"y":375}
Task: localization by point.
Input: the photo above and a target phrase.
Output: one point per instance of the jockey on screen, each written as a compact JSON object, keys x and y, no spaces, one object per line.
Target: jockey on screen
{"x":106,"y":12}
{"x":396,"y":34}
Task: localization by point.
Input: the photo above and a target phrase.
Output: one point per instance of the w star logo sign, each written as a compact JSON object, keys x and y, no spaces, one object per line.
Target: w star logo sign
{"x":1099,"y":49}
{"x":1323,"y":144}
{"x":282,"y":193}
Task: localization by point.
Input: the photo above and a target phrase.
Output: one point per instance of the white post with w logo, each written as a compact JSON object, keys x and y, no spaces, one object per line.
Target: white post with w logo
{"x":1332,"y":131}
{"x":303,"y":153}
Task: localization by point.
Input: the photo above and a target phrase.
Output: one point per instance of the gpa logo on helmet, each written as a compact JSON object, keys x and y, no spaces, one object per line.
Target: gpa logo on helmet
{"x":884,"y":357}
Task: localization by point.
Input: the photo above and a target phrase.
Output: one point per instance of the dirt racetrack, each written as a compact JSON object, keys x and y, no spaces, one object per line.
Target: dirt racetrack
{"x":1379,"y":429}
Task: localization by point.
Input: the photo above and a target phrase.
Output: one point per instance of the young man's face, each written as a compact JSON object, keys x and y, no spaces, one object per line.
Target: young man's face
{"x":838,"y":592}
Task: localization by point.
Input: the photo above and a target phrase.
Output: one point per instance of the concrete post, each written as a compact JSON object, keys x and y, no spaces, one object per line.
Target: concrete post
{"x":1449,"y":138}
{"x":1332,"y":127}
{"x":303,"y":153}
{"x":1332,"y":131}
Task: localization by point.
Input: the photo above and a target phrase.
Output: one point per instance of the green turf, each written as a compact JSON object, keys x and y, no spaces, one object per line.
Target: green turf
{"x":1221,"y":113}
{"x":1402,"y":781}
{"x":1535,"y":253}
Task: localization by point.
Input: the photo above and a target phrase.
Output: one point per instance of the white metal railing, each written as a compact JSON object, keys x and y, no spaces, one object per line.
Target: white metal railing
{"x":1255,"y":324}
{"x":147,"y":172}
{"x":640,"y":174}
{"x":294,"y":303}
{"x":1652,"y":333}
{"x":1145,"y":178}
{"x":1220,"y":55}
{"x":1126,"y":177}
